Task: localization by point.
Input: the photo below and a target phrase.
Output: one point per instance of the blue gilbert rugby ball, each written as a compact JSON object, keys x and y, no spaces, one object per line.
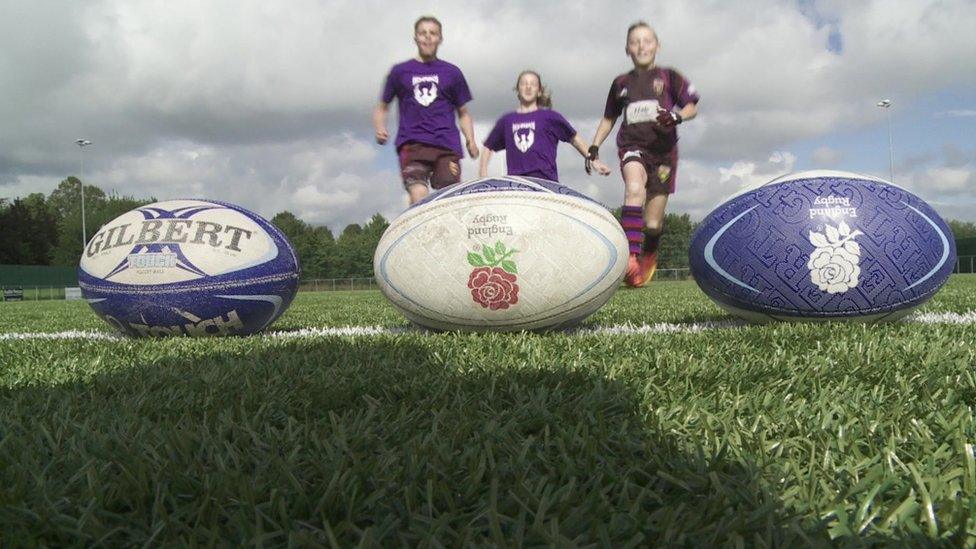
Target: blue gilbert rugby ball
{"x":822,"y":245}
{"x":501,"y":254}
{"x":189,"y":267}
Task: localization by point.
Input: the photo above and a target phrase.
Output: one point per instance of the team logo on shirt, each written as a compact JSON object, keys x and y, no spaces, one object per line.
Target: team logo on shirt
{"x":663,"y":173}
{"x":425,"y":89}
{"x":524,"y":134}
{"x":658,"y":86}
{"x":623,"y":93}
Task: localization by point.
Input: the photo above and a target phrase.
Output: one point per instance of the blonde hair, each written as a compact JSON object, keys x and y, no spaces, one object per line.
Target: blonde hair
{"x":545,"y":96}
{"x":641,"y":24}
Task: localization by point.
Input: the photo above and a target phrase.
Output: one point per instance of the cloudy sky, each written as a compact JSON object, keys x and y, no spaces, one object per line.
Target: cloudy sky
{"x":267,"y":104}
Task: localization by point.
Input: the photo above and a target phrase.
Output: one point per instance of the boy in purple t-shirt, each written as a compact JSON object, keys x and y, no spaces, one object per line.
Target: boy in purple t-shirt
{"x":647,"y":144}
{"x":531,"y":134}
{"x":429,"y":92}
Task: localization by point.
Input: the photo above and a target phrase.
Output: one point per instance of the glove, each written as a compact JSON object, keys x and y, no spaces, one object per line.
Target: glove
{"x":668,"y":118}
{"x":594,"y":154}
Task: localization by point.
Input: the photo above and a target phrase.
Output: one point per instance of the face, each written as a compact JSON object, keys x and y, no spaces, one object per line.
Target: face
{"x":528,"y":88}
{"x":642,"y":46}
{"x":428,"y":38}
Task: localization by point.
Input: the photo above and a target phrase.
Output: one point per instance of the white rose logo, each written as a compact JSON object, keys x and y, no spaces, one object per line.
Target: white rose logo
{"x":834,"y":263}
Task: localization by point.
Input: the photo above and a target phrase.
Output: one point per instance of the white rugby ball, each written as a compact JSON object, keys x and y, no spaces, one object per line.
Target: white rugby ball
{"x":501,"y":254}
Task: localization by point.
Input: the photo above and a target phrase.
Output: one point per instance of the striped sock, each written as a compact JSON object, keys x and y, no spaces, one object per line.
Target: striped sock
{"x":631,"y":219}
{"x":651,"y":242}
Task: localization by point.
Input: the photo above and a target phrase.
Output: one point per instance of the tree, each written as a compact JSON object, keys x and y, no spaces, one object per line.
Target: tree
{"x":673,"y":252}
{"x":962,"y":229}
{"x":321,"y":264}
{"x":28,"y":231}
{"x":313,"y":245}
{"x":350,"y":254}
{"x":99,"y":210}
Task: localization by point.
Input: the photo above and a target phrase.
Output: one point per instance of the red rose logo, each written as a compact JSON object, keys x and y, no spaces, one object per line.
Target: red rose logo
{"x":492,"y":286}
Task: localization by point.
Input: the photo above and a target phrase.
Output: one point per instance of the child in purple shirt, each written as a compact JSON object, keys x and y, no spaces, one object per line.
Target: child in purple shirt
{"x":429,"y":92}
{"x":647,"y":144}
{"x":531,"y":134}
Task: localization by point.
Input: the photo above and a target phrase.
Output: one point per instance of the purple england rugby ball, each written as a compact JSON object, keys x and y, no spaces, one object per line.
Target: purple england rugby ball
{"x":822,"y":245}
{"x":188,"y":267}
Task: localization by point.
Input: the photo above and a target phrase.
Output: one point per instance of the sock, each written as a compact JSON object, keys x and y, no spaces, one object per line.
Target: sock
{"x":631,"y":219}
{"x":651,"y":242}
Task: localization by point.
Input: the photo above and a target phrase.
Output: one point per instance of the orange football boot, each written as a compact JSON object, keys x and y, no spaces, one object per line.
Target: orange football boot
{"x":632,"y":277}
{"x":647,"y":266}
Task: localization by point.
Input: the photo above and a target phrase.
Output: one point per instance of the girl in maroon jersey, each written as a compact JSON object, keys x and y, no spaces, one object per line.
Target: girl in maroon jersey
{"x":653,"y":101}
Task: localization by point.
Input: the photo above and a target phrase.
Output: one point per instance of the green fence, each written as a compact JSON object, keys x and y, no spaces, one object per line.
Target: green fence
{"x":965,"y":246}
{"x":38,"y":275}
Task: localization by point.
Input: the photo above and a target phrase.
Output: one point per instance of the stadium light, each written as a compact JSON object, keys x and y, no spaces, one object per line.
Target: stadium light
{"x":82,"y":143}
{"x":886,"y":105}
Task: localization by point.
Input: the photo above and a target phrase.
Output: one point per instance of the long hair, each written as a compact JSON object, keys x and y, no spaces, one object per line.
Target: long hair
{"x":545,"y":95}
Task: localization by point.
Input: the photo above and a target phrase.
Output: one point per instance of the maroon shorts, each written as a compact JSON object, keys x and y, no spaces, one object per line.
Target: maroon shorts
{"x":425,"y":164}
{"x":662,"y":168}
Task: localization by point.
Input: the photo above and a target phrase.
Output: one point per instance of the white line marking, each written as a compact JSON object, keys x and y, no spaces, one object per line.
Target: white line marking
{"x":91,"y":335}
{"x":943,"y":318}
{"x":366,"y":331}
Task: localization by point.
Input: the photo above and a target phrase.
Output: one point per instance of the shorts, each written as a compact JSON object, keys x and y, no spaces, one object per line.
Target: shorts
{"x":662,"y":168}
{"x":420,"y":163}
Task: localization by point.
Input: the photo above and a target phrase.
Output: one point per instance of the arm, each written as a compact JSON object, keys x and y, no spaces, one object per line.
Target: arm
{"x":580,"y":146}
{"x":689,"y":111}
{"x":669,"y":119}
{"x":603,"y":130}
{"x":379,"y":122}
{"x":467,"y":128}
{"x":485,"y":157}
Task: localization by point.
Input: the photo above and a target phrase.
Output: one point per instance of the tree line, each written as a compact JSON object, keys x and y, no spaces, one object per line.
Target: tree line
{"x":46,"y":230}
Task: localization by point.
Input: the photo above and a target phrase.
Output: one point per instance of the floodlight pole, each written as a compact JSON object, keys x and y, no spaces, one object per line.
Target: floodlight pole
{"x":886,"y":105}
{"x":82,"y":143}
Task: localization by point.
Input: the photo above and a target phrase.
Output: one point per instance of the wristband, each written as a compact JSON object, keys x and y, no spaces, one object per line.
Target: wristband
{"x":594,"y":151}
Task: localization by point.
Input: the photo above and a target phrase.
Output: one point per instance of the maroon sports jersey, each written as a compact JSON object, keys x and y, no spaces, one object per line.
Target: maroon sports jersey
{"x":636,"y":95}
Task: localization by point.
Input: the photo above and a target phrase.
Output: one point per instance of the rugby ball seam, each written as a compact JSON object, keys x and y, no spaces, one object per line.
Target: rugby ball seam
{"x":131,"y":289}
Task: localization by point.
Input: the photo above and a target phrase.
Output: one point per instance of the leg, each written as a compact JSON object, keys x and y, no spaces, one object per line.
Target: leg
{"x":635,"y":183}
{"x":654,"y":219}
{"x":447,"y":171}
{"x":660,"y":184}
{"x":416,"y":190}
{"x":414,"y":171}
{"x":635,"y":178}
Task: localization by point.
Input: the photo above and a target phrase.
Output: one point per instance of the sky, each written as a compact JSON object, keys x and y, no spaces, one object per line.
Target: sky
{"x":268,"y":104}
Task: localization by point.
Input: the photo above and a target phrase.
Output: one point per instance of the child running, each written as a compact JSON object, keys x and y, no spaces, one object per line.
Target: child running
{"x":647,"y":144}
{"x":531,"y":134}
{"x":429,"y":92}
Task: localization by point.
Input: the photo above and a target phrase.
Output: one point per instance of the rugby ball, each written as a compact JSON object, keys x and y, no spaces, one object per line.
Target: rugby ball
{"x":501,"y":254}
{"x":822,"y":245}
{"x":188,"y":267}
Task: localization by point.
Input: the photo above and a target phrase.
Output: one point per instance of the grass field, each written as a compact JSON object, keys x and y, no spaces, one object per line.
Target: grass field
{"x":753,"y":436}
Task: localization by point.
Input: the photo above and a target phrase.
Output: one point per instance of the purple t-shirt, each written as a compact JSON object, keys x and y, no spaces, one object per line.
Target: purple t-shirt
{"x":428,"y":95}
{"x":530,"y":140}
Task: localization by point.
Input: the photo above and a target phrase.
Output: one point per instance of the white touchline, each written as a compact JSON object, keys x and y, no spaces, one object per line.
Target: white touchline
{"x":366,"y":331}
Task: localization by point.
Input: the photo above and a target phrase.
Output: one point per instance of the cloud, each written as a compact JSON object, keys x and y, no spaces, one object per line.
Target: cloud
{"x":269,"y":105}
{"x":827,"y":157}
{"x":955,"y":114}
